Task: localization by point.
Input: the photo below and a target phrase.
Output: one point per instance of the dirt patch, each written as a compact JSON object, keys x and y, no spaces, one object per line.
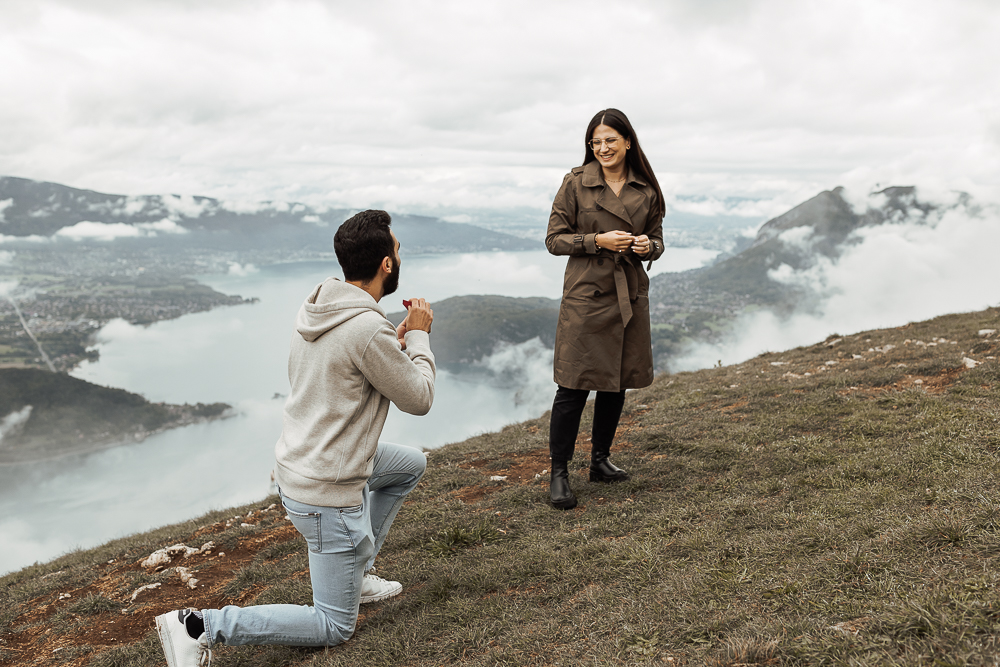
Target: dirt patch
{"x":38,"y":644}
{"x":932,"y":384}
{"x":521,"y":470}
{"x":524,"y":467}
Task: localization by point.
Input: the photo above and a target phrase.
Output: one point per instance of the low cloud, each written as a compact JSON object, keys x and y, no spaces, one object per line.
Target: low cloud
{"x":98,"y":231}
{"x":527,"y":366}
{"x":121,"y":207}
{"x":14,"y":423}
{"x":250,"y":207}
{"x":713,"y":206}
{"x":798,"y":238}
{"x":242,"y":270}
{"x":4,"y":205}
{"x":165,"y":226}
{"x":109,"y":231}
{"x":889,"y":275}
{"x":185,"y":205}
{"x":34,"y":238}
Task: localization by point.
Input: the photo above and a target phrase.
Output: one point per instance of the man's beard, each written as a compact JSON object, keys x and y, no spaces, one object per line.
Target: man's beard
{"x":392,"y":281}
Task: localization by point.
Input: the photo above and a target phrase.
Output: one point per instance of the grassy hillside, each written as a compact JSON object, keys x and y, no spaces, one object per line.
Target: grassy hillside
{"x":467,"y":328}
{"x":61,"y":415}
{"x":829,"y":505}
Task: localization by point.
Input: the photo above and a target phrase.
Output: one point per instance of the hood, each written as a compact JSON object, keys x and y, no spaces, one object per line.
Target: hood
{"x":339,"y":303}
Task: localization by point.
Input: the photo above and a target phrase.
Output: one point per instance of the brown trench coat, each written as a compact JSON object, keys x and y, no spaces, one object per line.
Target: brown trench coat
{"x":602,"y":339}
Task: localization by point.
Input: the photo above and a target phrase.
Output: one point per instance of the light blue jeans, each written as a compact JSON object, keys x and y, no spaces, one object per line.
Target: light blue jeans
{"x":343,"y":543}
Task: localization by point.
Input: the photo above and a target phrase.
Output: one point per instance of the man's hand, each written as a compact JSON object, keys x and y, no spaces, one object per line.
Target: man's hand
{"x":615,"y":241}
{"x":418,"y":318}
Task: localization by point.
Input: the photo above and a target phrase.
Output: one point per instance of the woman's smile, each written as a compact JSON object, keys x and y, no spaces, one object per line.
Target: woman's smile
{"x":609,"y":147}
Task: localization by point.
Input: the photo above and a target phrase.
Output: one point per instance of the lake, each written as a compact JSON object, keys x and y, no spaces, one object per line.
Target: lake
{"x":238,"y":355}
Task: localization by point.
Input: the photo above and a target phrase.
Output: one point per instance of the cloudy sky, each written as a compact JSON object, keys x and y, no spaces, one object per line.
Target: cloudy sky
{"x":447,"y":106}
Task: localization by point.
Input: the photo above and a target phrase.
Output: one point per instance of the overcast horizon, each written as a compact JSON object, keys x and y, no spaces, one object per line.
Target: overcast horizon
{"x":472,"y":106}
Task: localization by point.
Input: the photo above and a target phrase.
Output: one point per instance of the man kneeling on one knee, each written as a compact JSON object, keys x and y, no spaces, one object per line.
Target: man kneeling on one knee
{"x":339,"y":485}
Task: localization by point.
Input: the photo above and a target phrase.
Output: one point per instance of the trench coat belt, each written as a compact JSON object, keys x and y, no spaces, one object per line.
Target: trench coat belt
{"x":621,"y":287}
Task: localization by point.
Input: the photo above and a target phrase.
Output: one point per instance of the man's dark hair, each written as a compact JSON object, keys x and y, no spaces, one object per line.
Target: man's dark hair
{"x":361,"y":244}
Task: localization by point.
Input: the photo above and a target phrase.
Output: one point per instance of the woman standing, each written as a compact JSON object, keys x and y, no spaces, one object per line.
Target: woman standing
{"x":608,"y":218}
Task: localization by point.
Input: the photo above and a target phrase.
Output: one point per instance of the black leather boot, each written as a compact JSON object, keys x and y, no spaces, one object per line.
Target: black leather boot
{"x":603,"y":470}
{"x":559,"y":491}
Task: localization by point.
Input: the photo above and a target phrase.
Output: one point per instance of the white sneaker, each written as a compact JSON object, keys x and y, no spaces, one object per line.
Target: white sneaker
{"x":374,"y":589}
{"x":178,"y":646}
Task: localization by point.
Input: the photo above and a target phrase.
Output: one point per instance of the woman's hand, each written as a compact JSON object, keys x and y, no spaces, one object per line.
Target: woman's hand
{"x":615,"y":241}
{"x":642,"y":245}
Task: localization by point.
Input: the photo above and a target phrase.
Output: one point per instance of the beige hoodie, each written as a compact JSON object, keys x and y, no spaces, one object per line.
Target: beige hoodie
{"x":345,"y":366}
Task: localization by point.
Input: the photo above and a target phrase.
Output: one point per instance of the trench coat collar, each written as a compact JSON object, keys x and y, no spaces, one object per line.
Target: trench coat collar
{"x":593,"y":176}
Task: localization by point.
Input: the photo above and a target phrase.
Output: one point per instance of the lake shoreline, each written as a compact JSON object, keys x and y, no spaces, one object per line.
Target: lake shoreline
{"x":91,"y":447}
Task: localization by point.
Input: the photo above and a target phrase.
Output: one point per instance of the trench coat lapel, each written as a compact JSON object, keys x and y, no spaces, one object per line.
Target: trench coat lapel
{"x":607,"y":200}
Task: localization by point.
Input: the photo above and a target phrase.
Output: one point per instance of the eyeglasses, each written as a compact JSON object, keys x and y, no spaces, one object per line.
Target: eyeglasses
{"x":610,"y":141}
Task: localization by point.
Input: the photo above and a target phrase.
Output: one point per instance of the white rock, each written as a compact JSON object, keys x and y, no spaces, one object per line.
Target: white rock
{"x":147,"y":587}
{"x":857,"y":356}
{"x":779,"y":363}
{"x":498,"y":478}
{"x":831,"y":363}
{"x":187,"y":577}
{"x":987,"y":332}
{"x":166,"y":554}
{"x":156,"y":559}
{"x":970,"y":363}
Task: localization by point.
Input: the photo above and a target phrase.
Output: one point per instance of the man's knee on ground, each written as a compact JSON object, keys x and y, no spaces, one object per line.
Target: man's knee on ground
{"x":420,"y":463}
{"x":336,"y":633}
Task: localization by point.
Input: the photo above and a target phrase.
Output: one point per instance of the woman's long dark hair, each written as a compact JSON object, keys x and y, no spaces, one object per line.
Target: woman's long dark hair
{"x":634,"y":157}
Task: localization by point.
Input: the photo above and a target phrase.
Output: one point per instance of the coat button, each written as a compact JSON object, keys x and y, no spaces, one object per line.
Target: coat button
{"x":597,"y":292}
{"x":600,"y":261}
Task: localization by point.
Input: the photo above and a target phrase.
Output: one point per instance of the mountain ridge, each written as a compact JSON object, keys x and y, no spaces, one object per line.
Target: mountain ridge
{"x":31,"y":209}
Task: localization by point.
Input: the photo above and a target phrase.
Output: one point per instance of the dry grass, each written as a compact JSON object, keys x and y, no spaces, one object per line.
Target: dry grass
{"x":783,"y":511}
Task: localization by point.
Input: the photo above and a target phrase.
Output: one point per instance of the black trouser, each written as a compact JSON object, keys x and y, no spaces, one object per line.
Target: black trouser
{"x":566,"y":410}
